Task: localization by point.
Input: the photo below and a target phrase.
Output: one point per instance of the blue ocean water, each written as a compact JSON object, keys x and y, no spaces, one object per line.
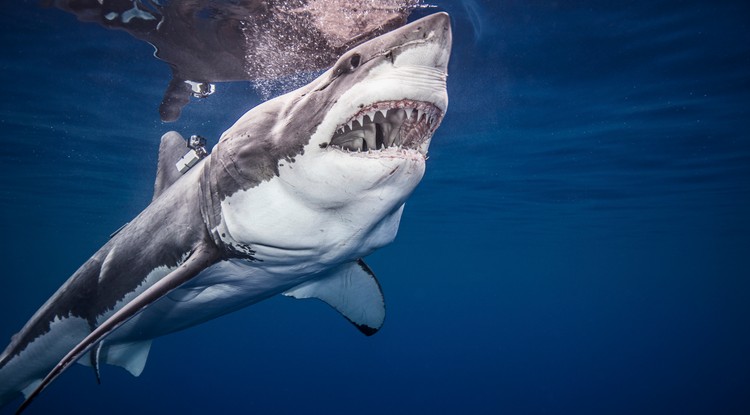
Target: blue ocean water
{"x":579,"y":244}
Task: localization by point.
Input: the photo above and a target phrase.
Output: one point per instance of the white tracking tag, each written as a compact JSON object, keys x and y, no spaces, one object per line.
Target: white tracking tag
{"x":187,"y":161}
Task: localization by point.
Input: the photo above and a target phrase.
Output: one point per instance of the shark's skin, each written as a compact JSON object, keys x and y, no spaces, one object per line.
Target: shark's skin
{"x":207,"y":41}
{"x":289,"y":201}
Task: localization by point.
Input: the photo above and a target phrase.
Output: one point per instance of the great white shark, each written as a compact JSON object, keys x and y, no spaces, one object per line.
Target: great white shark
{"x":289,"y":201}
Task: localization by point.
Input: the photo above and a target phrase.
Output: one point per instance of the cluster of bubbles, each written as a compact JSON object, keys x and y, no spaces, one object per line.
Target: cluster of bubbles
{"x":295,"y":40}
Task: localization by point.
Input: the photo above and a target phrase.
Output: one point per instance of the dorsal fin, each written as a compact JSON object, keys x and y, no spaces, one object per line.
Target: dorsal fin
{"x":172,"y":147}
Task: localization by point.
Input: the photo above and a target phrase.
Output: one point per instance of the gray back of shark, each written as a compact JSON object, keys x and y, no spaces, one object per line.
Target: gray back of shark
{"x":289,"y":201}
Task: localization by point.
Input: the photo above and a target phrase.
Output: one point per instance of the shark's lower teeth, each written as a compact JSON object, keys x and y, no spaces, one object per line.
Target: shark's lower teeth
{"x":400,"y":124}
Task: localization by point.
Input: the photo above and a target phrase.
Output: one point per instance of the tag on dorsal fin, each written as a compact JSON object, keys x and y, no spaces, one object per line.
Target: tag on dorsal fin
{"x":171,"y":149}
{"x":352,"y":290}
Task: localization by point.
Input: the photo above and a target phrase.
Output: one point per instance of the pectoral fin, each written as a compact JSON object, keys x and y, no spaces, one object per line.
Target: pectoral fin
{"x":352,"y":290}
{"x":131,"y":357}
{"x":200,"y":259}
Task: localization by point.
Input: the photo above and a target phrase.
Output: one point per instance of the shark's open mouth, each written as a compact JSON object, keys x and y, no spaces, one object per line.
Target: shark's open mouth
{"x":401,"y":124}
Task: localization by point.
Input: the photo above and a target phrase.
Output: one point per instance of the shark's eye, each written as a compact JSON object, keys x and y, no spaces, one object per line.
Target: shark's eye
{"x":347,"y":66}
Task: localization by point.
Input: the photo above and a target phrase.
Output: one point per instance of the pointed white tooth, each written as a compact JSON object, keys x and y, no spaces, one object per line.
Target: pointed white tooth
{"x":419,"y":114}
{"x":424,"y":147}
{"x":409,"y":111}
{"x":383,"y":112}
{"x":350,"y":124}
{"x":361,"y":120}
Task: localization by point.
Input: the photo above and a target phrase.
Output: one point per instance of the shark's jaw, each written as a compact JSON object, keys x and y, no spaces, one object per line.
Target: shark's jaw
{"x":388,"y":127}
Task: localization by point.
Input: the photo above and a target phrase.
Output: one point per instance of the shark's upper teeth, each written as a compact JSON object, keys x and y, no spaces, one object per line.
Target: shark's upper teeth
{"x":403,"y":124}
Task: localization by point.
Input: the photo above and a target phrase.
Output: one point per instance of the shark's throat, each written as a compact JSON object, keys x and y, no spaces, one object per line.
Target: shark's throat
{"x":403,"y":124}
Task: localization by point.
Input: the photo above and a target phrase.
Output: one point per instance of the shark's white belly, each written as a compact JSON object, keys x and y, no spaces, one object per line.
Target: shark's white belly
{"x":234,"y":284}
{"x":218,"y":290}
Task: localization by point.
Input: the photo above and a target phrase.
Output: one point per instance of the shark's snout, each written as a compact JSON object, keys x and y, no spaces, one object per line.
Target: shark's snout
{"x":429,"y":43}
{"x":398,"y":88}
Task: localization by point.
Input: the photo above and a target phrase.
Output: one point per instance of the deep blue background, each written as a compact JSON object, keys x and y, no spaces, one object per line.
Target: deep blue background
{"x":579,"y":244}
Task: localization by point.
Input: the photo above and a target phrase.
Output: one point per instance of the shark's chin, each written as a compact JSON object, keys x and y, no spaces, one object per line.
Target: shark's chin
{"x":389,"y":129}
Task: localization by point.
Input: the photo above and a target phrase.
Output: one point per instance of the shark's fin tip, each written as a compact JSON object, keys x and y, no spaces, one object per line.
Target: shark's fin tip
{"x":352,"y":290}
